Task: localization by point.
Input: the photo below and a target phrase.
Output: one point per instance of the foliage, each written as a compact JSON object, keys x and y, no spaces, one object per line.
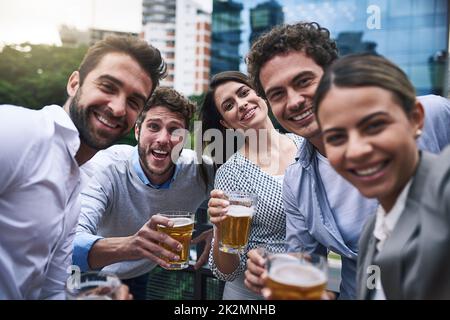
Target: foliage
{"x":36,"y":75}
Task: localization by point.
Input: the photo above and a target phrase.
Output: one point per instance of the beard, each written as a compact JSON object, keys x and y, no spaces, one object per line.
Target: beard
{"x":145,"y":163}
{"x":96,"y":140}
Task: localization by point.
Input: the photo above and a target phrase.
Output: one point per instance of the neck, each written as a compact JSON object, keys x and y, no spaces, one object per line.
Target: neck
{"x":84,"y":154}
{"x":317,"y":142}
{"x":158,"y":179}
{"x":266,"y":139}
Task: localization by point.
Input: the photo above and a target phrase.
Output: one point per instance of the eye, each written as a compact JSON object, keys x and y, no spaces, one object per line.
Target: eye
{"x":227,"y":106}
{"x":375,"y":126}
{"x":275,"y":96}
{"x":177,"y":131}
{"x":244,"y":92}
{"x":107,"y":87}
{"x":134,"y":104}
{"x":303,"y":82}
{"x":153,"y":126}
{"x":335,"y":139}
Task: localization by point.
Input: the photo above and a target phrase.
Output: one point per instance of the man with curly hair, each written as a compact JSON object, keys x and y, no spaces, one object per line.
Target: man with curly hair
{"x":323,"y":211}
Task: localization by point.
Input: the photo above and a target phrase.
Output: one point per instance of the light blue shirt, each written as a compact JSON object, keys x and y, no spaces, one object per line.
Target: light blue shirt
{"x":311,"y":213}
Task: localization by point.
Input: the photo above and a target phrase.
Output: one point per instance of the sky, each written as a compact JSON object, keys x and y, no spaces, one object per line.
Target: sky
{"x":37,"y":21}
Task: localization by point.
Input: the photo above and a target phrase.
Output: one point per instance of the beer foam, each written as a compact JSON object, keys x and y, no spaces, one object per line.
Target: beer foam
{"x":181,"y":222}
{"x":240,"y":211}
{"x":297,"y":275}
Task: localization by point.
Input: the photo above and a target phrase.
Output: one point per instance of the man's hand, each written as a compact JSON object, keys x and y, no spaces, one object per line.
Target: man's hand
{"x":123,"y":293}
{"x":146,"y":243}
{"x":207,"y":237}
{"x":255,"y":269}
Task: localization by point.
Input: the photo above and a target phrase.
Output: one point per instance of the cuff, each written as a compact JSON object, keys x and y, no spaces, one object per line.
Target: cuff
{"x":83,"y":243}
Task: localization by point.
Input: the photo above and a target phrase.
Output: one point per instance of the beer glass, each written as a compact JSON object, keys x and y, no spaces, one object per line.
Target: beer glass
{"x":183,"y":227}
{"x":92,"y":286}
{"x":235,"y":229}
{"x":296,"y":276}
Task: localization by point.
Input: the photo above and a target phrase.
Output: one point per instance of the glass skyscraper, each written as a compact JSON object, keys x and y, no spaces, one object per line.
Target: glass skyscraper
{"x":412,"y":33}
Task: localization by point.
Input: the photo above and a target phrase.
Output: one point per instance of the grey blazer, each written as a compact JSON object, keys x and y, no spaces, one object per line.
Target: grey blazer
{"x":415,"y":260}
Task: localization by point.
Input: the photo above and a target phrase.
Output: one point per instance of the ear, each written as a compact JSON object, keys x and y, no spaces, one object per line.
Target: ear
{"x":417,"y":116}
{"x":136,"y":132}
{"x":225,"y":124}
{"x":73,"y":84}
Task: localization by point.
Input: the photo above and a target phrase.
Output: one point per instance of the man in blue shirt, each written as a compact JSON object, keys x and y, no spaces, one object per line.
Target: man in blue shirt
{"x":323,"y":211}
{"x":117,"y":226}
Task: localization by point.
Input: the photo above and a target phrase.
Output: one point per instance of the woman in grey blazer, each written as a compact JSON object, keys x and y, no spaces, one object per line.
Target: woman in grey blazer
{"x":370,"y":120}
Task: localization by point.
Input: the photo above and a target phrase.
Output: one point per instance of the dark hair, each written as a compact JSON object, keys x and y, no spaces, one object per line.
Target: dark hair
{"x":209,"y":113}
{"x":147,"y":56}
{"x":308,"y":37}
{"x":362,"y":70}
{"x":170,"y":99}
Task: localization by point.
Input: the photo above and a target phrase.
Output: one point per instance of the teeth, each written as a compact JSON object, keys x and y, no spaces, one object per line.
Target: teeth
{"x":160,"y":152}
{"x":106,"y":122}
{"x":368,"y":171}
{"x":303,"y":115}
{"x":248,"y":114}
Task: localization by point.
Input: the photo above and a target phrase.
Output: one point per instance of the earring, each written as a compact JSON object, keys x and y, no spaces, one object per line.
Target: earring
{"x":418,"y":133}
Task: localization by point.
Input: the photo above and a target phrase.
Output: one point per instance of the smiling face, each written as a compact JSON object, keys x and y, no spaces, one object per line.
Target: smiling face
{"x":160,"y":132}
{"x":105,"y":107}
{"x":370,"y":140}
{"x":240,"y":106}
{"x":290,"y":81}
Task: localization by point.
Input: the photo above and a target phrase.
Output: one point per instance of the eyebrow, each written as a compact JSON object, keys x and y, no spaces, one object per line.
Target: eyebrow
{"x":360,"y":122}
{"x":121,"y":84}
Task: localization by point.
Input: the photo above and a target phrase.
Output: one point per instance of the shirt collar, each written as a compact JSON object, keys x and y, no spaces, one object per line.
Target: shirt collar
{"x":305,"y":153}
{"x":385,"y":222}
{"x":140,"y":173}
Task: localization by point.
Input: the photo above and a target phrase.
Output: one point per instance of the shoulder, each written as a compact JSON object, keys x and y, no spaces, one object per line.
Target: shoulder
{"x":435,"y":106}
{"x":108,"y":158}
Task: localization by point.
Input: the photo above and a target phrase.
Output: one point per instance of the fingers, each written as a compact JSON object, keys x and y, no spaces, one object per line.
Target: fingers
{"x":123,"y":293}
{"x":252,"y":282}
{"x":217,"y":209}
{"x":255,"y":258}
{"x":216,"y":193}
{"x":158,"y":219}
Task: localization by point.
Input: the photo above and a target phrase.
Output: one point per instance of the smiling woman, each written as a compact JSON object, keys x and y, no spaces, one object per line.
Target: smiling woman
{"x":370,"y":120}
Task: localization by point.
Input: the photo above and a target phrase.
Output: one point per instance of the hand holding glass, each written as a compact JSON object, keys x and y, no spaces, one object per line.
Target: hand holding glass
{"x":183,"y":227}
{"x":92,"y":286}
{"x":296,"y":276}
{"x":235,"y":229}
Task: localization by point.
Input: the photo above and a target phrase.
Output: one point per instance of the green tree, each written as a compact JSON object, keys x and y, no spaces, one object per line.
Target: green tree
{"x":36,"y":75}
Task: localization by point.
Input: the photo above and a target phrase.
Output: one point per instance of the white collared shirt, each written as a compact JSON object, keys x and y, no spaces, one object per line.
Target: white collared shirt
{"x":385,"y":224}
{"x":39,"y":204}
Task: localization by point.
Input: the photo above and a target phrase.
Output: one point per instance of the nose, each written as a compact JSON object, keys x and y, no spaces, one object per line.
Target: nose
{"x":163,"y":137}
{"x":118,"y":106}
{"x":242,"y":104}
{"x":295,"y":100}
{"x":358,"y":148}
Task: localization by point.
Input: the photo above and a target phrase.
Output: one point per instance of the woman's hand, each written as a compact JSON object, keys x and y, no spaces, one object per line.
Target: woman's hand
{"x":217,"y":207}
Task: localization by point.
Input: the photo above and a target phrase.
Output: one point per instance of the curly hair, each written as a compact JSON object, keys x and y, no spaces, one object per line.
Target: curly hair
{"x":172,"y":100}
{"x":308,"y":37}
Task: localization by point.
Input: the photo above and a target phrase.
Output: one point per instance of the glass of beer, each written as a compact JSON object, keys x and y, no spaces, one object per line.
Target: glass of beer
{"x":183,"y":227}
{"x":235,"y":229}
{"x":296,"y":276}
{"x":92,"y":286}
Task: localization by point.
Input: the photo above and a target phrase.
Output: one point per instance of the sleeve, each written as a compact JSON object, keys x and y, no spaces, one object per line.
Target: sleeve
{"x":95,"y":205}
{"x":297,"y":234}
{"x":225,"y":180}
{"x":436,"y":131}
